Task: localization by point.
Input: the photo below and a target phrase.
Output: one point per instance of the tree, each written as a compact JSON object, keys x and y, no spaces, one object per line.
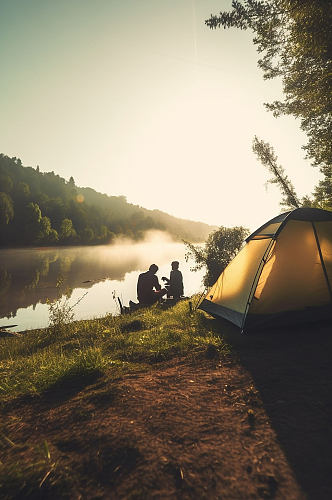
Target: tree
{"x":219,"y":249}
{"x":294,"y":38}
{"x":103,"y":234}
{"x":72,"y":188}
{"x":46,"y":234}
{"x":23,"y":191}
{"x":323,"y":192}
{"x":32,"y":222}
{"x":87,"y":235}
{"x":52,"y":236}
{"x":78,"y":214}
{"x":6,"y":183}
{"x":6,"y":209}
{"x":67,"y":233}
{"x":54,"y":209}
{"x":266,"y":155}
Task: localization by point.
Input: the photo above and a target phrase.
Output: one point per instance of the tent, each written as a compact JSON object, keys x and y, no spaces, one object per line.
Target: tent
{"x":282,"y":275}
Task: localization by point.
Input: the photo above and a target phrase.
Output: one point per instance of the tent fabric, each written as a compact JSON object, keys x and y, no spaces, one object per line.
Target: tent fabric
{"x":307,"y":214}
{"x":284,"y":269}
{"x":284,"y":286}
{"x":233,"y":287}
{"x":324,"y":231}
{"x":218,"y":310}
{"x":270,"y":227}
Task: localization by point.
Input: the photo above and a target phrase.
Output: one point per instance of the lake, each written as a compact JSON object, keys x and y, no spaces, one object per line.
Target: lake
{"x":92,"y":276}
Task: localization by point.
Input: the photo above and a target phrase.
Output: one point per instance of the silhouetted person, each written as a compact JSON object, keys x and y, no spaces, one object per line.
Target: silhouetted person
{"x":149,"y":290}
{"x":175,"y":281}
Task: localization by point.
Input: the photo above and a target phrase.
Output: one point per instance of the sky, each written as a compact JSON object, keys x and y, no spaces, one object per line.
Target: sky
{"x":140,"y":98}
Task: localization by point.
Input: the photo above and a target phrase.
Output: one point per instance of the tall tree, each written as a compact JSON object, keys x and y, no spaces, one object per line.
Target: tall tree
{"x":6,"y":209}
{"x":294,"y":38}
{"x":31,"y":222}
{"x":267,"y":156}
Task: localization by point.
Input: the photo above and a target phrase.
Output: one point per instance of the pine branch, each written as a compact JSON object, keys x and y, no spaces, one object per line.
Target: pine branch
{"x":268,"y":158}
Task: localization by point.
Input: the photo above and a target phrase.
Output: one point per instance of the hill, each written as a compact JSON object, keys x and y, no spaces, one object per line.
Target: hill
{"x":42,"y":208}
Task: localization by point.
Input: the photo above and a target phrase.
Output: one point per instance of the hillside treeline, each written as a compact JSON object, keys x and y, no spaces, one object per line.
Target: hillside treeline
{"x":38,"y":208}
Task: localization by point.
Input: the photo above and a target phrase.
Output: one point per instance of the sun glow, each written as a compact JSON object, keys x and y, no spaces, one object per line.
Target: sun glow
{"x":163,"y":113}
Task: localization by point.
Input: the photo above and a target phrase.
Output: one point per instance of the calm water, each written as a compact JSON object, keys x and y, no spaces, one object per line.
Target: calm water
{"x":28,"y":277}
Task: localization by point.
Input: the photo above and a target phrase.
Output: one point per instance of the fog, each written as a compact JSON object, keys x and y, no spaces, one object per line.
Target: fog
{"x":31,"y":277}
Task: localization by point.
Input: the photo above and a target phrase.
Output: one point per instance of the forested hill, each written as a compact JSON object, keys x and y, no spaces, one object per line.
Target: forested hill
{"x":44,"y":209}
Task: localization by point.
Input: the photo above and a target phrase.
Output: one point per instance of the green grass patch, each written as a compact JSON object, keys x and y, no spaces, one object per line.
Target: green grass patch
{"x":45,"y":360}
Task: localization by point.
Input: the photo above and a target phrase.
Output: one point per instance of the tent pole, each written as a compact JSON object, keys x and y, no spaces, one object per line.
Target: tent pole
{"x":255,"y":280}
{"x":322,"y":260}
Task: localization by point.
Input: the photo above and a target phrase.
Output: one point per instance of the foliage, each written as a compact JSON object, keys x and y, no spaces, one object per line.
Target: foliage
{"x":60,"y":313}
{"x":323,"y":192}
{"x":66,"y":232}
{"x":294,"y":39}
{"x":6,"y":209}
{"x":43,"y":208}
{"x":219,"y":249}
{"x":266,"y":155}
{"x":42,"y":360}
{"x":56,"y":368}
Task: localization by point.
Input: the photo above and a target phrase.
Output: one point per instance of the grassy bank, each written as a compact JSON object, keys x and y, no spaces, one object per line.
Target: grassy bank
{"x":58,"y":362}
{"x":45,"y":359}
{"x":153,"y":405}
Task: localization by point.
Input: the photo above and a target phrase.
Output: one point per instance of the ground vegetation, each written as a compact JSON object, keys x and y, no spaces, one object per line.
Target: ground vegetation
{"x":165,"y":404}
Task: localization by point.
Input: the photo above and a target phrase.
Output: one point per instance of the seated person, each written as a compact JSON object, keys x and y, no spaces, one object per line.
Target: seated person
{"x":175,"y":281}
{"x":149,"y":290}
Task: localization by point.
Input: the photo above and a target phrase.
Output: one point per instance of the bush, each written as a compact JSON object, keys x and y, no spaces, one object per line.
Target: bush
{"x":219,"y":249}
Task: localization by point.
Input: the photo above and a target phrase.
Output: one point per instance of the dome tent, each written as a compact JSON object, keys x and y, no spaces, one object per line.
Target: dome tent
{"x":282,"y":275}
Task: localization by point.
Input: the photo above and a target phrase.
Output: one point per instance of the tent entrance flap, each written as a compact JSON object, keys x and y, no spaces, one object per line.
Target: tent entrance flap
{"x":220,"y":311}
{"x":293,"y":277}
{"x":233,"y":286}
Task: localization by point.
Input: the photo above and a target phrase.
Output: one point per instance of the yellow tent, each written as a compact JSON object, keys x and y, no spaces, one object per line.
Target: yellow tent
{"x":282,"y":275}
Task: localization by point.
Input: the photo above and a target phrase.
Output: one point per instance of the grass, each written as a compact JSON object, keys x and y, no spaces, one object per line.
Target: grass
{"x":65,"y":354}
{"x":61,"y":360}
{"x":38,"y":478}
{"x":65,"y":442}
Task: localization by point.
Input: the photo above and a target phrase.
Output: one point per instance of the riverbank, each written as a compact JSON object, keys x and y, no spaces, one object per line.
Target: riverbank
{"x":165,"y":404}
{"x":88,"y":277}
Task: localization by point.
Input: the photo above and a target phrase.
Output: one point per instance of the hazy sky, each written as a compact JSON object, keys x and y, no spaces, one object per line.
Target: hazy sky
{"x":140,"y":98}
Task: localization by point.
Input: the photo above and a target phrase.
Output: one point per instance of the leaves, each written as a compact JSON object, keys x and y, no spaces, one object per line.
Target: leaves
{"x":294,"y":39}
{"x":220,"y":248}
{"x":6,"y":209}
{"x":266,"y":155}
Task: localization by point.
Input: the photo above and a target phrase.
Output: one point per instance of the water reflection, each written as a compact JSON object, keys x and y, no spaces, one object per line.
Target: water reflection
{"x":28,"y":277}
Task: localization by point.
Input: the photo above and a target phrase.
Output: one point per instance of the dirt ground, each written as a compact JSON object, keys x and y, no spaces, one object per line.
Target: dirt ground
{"x":255,"y":424}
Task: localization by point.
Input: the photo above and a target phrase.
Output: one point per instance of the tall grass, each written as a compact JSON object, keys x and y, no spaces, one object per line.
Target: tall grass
{"x":43,"y":359}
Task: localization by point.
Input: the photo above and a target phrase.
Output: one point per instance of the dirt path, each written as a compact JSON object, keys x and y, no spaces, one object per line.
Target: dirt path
{"x":256,"y":424}
{"x":180,"y":431}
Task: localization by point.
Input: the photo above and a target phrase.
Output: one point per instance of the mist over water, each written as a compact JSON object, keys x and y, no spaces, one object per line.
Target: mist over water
{"x":30,"y":277}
